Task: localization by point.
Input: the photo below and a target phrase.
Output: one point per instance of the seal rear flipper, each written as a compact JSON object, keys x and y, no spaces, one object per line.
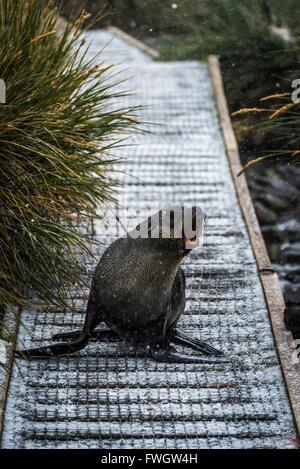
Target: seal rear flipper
{"x":96,"y":335}
{"x":56,"y":349}
{"x":171,"y":356}
{"x":91,"y":320}
{"x":196,"y":344}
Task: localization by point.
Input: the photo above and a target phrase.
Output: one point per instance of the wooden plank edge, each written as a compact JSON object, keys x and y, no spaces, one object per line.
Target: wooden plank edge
{"x":275,"y":302}
{"x":133,"y":41}
{"x":7,"y":363}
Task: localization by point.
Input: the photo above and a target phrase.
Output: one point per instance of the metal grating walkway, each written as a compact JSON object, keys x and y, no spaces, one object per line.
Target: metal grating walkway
{"x":110,"y":396}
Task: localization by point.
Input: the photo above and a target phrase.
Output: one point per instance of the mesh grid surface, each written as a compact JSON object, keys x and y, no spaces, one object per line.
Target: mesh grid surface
{"x":110,"y":395}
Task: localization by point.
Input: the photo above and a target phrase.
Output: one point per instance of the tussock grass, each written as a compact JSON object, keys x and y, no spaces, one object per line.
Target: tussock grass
{"x":56,"y":133}
{"x":282,"y":122}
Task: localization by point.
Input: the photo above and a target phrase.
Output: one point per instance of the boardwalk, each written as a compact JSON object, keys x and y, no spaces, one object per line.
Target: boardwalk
{"x":109,"y":396}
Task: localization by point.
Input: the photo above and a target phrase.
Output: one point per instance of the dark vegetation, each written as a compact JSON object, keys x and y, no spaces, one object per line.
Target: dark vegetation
{"x":255,"y":57}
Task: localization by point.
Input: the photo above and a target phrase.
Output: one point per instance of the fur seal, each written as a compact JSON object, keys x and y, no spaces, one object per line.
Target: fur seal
{"x":138,"y":290}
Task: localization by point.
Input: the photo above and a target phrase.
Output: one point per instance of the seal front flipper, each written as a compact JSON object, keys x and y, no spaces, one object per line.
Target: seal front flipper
{"x":170,"y":355}
{"x":196,"y":344}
